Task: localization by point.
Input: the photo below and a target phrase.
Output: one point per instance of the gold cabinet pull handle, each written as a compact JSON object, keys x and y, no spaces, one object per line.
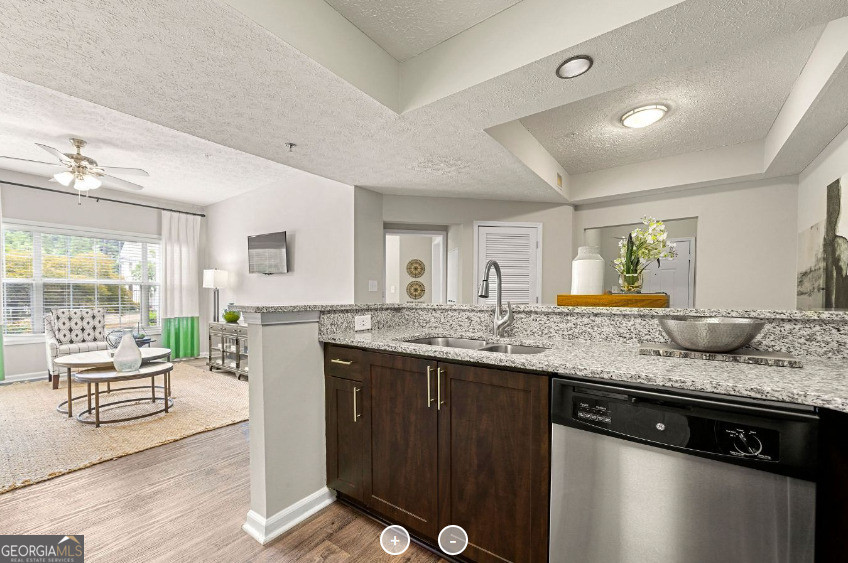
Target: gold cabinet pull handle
{"x":429,"y":395}
{"x":356,"y":414}
{"x":439,"y":388}
{"x":342,"y":362}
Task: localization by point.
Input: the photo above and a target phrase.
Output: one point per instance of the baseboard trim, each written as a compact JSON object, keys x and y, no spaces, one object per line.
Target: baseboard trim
{"x":32,"y":376}
{"x":264,"y":530}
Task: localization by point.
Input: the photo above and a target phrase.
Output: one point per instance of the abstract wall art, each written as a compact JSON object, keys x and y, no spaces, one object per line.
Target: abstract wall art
{"x":823,"y":255}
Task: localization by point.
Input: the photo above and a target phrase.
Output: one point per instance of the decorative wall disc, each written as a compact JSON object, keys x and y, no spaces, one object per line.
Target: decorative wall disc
{"x":415,"y":268}
{"x":415,"y":290}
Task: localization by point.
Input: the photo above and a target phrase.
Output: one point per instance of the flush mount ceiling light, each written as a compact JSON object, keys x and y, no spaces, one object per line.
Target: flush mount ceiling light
{"x":574,"y":66}
{"x":643,"y":116}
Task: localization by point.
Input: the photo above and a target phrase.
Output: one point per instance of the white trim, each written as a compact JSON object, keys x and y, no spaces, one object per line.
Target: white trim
{"x":476,"y":255}
{"x":32,"y":376}
{"x":264,"y":530}
{"x":55,"y":228}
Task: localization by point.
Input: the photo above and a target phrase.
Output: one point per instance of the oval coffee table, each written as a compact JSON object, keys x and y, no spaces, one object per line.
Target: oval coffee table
{"x":109,"y":375}
{"x":99,"y":359}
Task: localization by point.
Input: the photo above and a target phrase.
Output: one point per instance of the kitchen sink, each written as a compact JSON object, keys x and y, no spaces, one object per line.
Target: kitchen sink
{"x":467,"y":343}
{"x":512,"y":349}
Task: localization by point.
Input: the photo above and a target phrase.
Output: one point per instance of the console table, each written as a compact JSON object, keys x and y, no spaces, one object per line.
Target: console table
{"x":228,"y":348}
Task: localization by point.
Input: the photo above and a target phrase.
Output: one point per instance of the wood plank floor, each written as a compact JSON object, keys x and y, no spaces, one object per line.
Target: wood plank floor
{"x":184,"y":501}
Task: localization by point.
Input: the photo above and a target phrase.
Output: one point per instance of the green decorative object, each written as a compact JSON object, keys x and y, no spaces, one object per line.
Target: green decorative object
{"x":231,"y":316}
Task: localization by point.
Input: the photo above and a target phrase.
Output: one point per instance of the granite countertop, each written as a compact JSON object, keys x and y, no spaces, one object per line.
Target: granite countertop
{"x":820,"y":383}
{"x":822,"y":316}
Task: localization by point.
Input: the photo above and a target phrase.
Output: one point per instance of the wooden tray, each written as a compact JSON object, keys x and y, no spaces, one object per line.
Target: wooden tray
{"x":649,"y":300}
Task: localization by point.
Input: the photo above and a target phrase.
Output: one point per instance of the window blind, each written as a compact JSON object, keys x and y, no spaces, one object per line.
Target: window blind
{"x":48,"y":269}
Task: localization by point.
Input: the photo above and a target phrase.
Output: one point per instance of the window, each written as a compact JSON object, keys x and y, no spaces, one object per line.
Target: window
{"x":50,"y":268}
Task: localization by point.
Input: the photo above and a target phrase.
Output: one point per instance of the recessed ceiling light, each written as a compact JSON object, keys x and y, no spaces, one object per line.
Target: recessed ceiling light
{"x":574,"y":66}
{"x":643,"y":116}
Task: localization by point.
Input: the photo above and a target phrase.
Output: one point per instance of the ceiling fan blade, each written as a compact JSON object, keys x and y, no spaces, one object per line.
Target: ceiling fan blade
{"x":124,"y":171}
{"x":57,"y":153}
{"x":118,"y":184}
{"x":33,"y":167}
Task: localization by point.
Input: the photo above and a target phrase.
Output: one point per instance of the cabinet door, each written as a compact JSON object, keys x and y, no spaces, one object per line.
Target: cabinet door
{"x":402,"y":466}
{"x":346,"y":436}
{"x":494,"y":461}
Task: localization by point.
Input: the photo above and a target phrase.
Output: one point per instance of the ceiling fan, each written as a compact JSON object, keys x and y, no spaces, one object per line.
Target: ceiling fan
{"x":75,"y":170}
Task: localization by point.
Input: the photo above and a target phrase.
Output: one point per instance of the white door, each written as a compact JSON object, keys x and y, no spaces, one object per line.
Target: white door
{"x":515,"y":247}
{"x":453,"y":276}
{"x":675,"y":277}
{"x":437,"y":278}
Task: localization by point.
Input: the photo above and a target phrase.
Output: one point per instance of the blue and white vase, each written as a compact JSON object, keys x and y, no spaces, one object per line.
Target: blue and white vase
{"x":127,"y":356}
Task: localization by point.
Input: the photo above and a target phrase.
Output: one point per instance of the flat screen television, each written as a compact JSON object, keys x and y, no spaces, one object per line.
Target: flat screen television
{"x":266,"y":254}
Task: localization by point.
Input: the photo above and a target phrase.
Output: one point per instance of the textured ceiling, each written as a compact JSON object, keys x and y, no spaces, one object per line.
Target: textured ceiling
{"x":182,"y":168}
{"x":202,"y":68}
{"x":723,"y":103}
{"x":405,"y":28}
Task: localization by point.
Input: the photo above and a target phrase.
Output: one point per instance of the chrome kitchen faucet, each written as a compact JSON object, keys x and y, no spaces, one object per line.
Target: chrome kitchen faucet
{"x":502,"y":322}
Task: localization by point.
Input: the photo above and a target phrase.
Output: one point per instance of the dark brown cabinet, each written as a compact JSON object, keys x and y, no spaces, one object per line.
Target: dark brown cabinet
{"x":494,"y":461}
{"x":402,"y":455}
{"x":347,"y":436}
{"x":437,"y":444}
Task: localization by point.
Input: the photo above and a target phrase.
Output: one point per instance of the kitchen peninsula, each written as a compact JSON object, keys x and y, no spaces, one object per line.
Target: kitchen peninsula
{"x":290,"y":439}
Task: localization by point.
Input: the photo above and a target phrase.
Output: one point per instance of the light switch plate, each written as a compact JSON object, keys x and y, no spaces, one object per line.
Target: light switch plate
{"x":372,"y":285}
{"x":362,"y":322}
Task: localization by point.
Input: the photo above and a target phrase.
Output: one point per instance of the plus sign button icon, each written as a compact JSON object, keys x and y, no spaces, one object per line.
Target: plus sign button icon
{"x":394,"y":540}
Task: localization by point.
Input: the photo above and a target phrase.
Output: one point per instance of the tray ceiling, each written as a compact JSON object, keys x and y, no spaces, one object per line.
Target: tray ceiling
{"x":723,"y":103}
{"x":406,"y":28}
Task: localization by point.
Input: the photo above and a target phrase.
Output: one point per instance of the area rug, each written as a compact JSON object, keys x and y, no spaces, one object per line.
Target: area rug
{"x":38,"y":443}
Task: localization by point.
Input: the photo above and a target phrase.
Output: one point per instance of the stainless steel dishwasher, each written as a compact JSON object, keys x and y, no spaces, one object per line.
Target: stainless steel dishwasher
{"x":645,"y":476}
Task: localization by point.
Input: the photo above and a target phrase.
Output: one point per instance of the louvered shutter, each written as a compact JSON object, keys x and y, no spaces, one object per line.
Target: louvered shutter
{"x":516,"y":251}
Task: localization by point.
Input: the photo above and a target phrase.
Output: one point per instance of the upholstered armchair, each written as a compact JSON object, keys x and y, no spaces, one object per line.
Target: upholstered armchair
{"x":70,"y":331}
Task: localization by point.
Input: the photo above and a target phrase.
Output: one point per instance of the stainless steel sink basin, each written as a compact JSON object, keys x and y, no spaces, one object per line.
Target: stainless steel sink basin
{"x":512,"y":349}
{"x":467,"y":343}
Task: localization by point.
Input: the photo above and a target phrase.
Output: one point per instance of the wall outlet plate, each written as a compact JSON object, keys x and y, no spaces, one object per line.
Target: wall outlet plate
{"x":362,"y":322}
{"x":372,"y":285}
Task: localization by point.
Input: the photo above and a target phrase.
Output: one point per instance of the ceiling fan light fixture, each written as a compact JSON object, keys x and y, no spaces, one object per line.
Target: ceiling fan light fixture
{"x":573,"y":67}
{"x":643,"y":116}
{"x":87,"y":183}
{"x":64,"y":178}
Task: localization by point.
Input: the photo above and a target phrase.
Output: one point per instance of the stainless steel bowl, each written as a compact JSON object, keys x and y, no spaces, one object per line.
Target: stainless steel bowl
{"x":711,"y":334}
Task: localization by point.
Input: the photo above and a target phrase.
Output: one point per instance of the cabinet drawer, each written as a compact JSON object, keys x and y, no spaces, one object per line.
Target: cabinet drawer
{"x":343,"y":362}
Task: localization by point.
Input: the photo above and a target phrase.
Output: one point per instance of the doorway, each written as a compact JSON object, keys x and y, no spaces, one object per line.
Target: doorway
{"x":416,"y":266}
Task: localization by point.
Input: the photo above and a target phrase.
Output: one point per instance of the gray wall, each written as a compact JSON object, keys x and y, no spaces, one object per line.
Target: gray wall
{"x":368,"y":259}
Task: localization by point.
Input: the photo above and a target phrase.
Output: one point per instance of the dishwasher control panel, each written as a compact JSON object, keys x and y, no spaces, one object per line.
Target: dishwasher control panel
{"x":766,"y":438}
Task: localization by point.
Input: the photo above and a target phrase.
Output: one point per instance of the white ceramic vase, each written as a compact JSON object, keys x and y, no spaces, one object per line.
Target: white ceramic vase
{"x":587,"y":272}
{"x":127,"y":356}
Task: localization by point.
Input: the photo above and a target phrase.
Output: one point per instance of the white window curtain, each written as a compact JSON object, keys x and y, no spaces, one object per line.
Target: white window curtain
{"x":180,"y":265}
{"x":180,"y":284}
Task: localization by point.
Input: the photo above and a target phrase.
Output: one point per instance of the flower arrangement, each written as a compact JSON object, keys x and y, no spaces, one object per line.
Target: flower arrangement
{"x":642,"y":247}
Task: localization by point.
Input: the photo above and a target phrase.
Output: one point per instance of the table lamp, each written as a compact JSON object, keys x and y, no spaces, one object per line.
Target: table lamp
{"x":216,"y":280}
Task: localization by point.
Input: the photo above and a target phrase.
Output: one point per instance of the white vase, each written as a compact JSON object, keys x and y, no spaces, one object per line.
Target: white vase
{"x":127,"y":356}
{"x":587,"y":272}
